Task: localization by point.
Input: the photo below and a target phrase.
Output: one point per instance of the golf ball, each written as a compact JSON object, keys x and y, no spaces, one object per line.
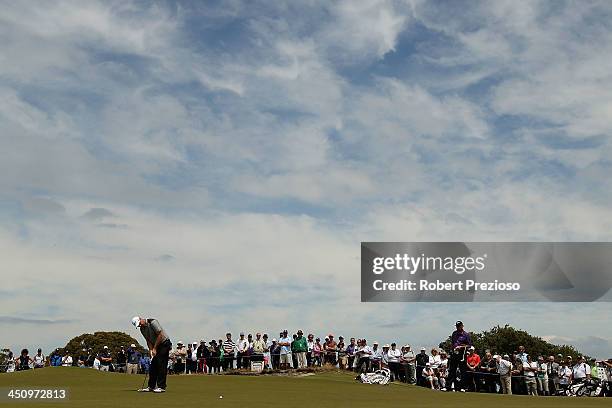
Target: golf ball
{"x":220,"y":396}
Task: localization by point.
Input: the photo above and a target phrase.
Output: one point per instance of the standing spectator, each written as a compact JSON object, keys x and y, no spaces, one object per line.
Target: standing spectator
{"x":429,"y":378}
{"x":504,"y":369}
{"x":375,"y":357}
{"x":434,"y":359}
{"x":39,"y":359}
{"x":393,"y":357}
{"x":105,"y":359}
{"x":565,"y":376}
{"x":552,"y":369}
{"x":443,"y":358}
{"x":275,"y":350}
{"x":384,"y":361}
{"x":518,"y":381}
{"x":246,"y":362}
{"x":473,"y":364}
{"x":421,"y":360}
{"x":408,"y":361}
{"x":259,"y":348}
{"x":133,"y":357}
{"x":82,"y":359}
{"x":301,"y":347}
{"x":522,"y":354}
{"x":24,"y":360}
{"x":67,"y":360}
{"x":229,"y":347}
{"x":180,"y":358}
{"x":10,"y":365}
{"x":294,"y":362}
{"x":530,"y":369}
{"x":56,"y":358}
{"x":202,"y":355}
{"x":460,"y":341}
{"x":267,"y":356}
{"x":542,"y":377}
{"x":581,"y":371}
{"x":363,"y":354}
{"x":330,"y":348}
{"x":215,"y":350}
{"x":91,"y":358}
{"x":594,"y":369}
{"x":607,"y":365}
{"x":309,"y":354}
{"x":121,"y":360}
{"x":342,"y":357}
{"x":488,"y":370}
{"x":350,"y":353}
{"x":317,"y":351}
{"x":285,"y":350}
{"x":191,"y":359}
{"x":243,"y":346}
{"x":145,"y":363}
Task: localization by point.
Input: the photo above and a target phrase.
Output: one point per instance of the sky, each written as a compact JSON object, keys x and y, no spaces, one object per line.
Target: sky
{"x":216,"y":164}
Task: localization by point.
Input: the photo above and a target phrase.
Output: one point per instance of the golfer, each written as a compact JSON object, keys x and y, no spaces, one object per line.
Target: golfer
{"x":460,"y":340}
{"x":159,"y":345}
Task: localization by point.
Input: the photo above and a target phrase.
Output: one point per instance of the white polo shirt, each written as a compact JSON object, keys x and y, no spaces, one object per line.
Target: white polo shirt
{"x":581,"y":370}
{"x":393,"y":356}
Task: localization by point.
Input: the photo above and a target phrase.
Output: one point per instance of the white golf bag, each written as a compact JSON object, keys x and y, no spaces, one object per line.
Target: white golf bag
{"x":381,"y":377}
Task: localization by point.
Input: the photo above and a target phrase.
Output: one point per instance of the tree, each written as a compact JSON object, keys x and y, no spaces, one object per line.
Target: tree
{"x":114,"y":340}
{"x":506,"y":340}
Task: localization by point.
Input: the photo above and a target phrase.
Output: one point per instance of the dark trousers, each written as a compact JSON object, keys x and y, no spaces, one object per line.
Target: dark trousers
{"x":363,"y":365}
{"x":309,"y":359}
{"x":159,"y":366}
{"x":457,"y":362}
{"x":395,"y":368}
{"x":239,"y":359}
{"x":228,"y":362}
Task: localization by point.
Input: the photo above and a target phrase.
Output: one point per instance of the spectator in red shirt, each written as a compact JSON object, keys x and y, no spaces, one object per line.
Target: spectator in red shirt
{"x":473,"y":364}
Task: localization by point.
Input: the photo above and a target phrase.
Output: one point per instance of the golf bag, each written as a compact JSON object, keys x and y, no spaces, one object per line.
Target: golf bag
{"x":587,"y":388}
{"x":381,"y":377}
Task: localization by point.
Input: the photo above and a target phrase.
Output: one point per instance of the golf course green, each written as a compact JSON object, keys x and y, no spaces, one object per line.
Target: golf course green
{"x":91,"y":388}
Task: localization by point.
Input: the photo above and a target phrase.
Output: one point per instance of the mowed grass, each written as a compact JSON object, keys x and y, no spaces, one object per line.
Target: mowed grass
{"x":91,"y":388}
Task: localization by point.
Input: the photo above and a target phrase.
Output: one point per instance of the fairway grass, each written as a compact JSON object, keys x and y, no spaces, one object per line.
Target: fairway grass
{"x":91,"y":388}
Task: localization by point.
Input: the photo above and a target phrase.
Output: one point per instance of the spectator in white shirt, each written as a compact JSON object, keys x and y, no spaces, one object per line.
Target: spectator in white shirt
{"x":542,"y":376}
{"x":408,"y":360}
{"x":530,"y":368}
{"x":362,"y":356}
{"x":565,"y":375}
{"x":434,"y":359}
{"x":243,"y":346}
{"x":581,"y":371}
{"x":429,"y":376}
{"x":39,"y":359}
{"x":393,"y":357}
{"x":375,"y":357}
{"x":504,"y":369}
{"x":67,"y":361}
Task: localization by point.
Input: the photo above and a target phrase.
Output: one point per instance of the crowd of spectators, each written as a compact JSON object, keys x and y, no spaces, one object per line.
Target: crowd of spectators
{"x":515,"y":373}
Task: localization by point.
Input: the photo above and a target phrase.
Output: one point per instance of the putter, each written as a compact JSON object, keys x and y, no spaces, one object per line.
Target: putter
{"x":144,"y":381}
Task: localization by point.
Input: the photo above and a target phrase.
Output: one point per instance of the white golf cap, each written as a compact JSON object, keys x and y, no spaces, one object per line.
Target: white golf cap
{"x":136,"y":321}
{"x":132,"y":345}
{"x":105,"y":347}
